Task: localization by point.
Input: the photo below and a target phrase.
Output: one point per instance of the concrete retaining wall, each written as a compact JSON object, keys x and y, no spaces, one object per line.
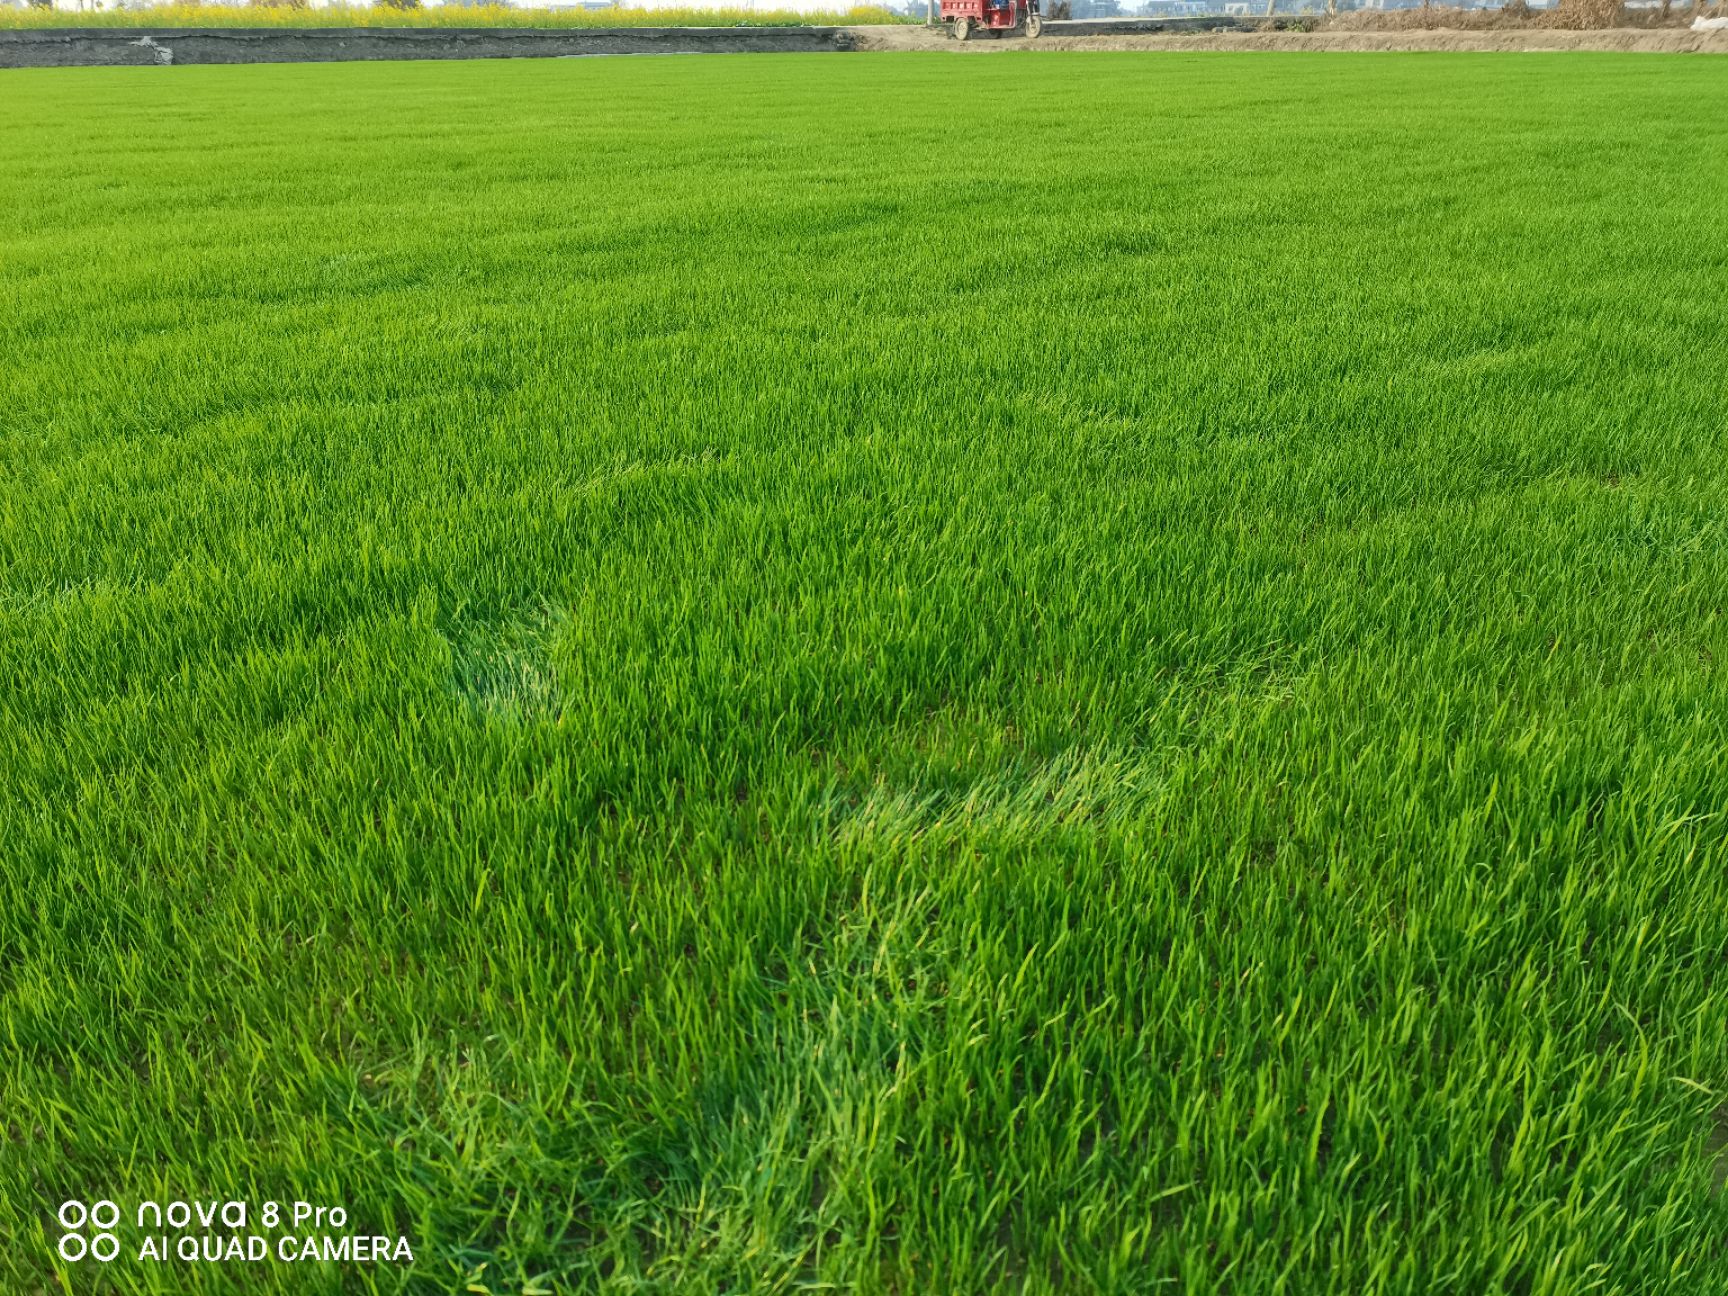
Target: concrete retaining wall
{"x":140,"y":46}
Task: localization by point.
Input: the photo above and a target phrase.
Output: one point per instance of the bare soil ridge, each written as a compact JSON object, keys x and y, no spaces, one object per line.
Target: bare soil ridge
{"x":1644,"y":40}
{"x":113,"y":46}
{"x":87,"y":47}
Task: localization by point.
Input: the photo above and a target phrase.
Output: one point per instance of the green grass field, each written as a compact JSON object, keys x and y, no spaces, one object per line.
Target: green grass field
{"x":892,"y":674}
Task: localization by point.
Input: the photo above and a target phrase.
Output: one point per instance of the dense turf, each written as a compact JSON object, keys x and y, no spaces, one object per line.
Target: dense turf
{"x":928,"y":675}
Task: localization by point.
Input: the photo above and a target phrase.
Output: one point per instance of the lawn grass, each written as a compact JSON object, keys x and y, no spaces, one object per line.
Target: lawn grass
{"x":930,"y":675}
{"x":442,"y":15}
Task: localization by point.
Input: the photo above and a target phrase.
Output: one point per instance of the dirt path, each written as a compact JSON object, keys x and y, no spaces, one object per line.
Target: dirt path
{"x":178,"y":46}
{"x":1667,"y":41}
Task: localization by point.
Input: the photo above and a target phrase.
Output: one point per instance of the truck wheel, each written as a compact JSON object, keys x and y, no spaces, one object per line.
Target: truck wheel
{"x":962,"y":28}
{"x":1034,"y":26}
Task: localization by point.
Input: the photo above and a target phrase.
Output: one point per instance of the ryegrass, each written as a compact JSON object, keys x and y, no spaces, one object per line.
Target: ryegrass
{"x":488,"y":15}
{"x":1037,"y":674}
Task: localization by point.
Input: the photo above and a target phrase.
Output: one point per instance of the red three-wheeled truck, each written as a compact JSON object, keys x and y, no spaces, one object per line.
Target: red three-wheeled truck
{"x":994,"y":16}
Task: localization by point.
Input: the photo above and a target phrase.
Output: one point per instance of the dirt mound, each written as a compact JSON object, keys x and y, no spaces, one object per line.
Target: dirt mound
{"x":1665,"y":40}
